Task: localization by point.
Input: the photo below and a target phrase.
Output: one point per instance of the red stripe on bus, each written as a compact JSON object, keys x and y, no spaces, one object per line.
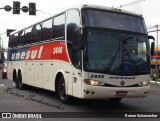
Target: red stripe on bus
{"x":48,"y":51}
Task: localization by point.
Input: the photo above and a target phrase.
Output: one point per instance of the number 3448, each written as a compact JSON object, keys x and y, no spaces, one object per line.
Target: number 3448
{"x":57,"y":50}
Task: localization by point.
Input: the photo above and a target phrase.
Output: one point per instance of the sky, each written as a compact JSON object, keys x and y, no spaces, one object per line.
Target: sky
{"x":148,"y":8}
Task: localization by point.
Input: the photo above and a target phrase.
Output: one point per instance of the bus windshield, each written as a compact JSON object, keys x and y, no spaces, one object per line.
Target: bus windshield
{"x":116,"y":51}
{"x":112,"y":20}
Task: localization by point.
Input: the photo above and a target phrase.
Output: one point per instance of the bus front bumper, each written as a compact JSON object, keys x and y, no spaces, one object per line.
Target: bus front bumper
{"x":98,"y":92}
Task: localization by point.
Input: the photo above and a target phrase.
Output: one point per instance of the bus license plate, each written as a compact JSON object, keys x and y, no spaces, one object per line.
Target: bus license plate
{"x":121,"y":93}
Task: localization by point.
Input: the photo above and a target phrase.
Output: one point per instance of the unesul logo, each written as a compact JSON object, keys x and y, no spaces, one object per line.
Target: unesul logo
{"x":30,"y":54}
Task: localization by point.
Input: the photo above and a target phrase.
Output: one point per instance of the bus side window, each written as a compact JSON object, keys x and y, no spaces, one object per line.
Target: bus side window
{"x":13,"y":40}
{"x":59,"y":27}
{"x":10,"y":41}
{"x":28,"y":36}
{"x":20,"y":38}
{"x":73,"y":21}
{"x":46,"y":30}
{"x":36,"y":33}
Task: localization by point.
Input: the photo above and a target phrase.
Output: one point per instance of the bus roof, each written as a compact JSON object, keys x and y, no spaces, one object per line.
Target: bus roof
{"x":82,"y":6}
{"x":107,"y":8}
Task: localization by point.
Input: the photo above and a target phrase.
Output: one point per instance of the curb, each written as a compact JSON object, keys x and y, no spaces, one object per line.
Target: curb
{"x":154,"y":82}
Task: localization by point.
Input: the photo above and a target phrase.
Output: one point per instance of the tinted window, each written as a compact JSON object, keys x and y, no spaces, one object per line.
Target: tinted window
{"x":13,"y":40}
{"x":20,"y":37}
{"x":10,"y":41}
{"x":73,"y":21}
{"x":36,"y":33}
{"x":28,"y":36}
{"x":46,"y":30}
{"x":105,"y":19}
{"x":116,"y":53}
{"x":59,"y":26}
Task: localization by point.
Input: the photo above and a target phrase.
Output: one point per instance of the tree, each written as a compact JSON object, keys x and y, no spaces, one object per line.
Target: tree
{"x":3,"y":59}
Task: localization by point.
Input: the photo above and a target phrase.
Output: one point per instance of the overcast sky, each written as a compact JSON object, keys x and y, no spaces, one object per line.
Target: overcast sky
{"x":148,"y":8}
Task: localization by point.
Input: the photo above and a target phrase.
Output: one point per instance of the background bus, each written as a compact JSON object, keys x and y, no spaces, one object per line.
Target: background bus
{"x":88,"y":52}
{"x":155,"y":61}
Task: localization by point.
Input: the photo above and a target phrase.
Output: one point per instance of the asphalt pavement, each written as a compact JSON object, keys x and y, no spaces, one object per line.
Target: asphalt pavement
{"x":44,"y":102}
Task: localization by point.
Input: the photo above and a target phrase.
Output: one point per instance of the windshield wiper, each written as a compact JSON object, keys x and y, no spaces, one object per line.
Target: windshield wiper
{"x":111,"y":62}
{"x":130,"y":58}
{"x":123,"y":53}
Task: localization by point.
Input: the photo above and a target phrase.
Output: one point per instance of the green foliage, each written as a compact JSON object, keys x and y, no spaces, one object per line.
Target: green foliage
{"x":3,"y":57}
{"x":155,"y":77}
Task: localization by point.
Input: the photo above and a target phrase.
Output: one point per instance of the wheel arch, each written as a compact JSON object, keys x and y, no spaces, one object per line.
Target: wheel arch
{"x":60,"y":73}
{"x":20,"y":71}
{"x":15,"y":75}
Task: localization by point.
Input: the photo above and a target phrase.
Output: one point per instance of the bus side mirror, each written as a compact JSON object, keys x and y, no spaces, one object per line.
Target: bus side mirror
{"x":152,"y":44}
{"x":151,"y":37}
{"x":152,"y":48}
{"x":80,"y":39}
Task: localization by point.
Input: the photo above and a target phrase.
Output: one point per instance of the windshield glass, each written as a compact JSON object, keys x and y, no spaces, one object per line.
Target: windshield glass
{"x":116,"y":52}
{"x":113,"y":20}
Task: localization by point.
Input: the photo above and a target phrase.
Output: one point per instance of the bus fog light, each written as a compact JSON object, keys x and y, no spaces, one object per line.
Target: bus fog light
{"x":143,"y":84}
{"x":146,"y":83}
{"x":94,"y":82}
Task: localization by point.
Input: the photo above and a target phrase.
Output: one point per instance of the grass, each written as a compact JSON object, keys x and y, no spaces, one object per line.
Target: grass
{"x":155,"y":77}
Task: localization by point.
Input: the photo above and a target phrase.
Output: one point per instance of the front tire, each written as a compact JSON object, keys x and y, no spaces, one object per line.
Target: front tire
{"x":64,"y":98}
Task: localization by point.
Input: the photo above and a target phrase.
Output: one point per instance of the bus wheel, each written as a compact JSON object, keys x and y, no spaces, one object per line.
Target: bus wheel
{"x":16,"y":84}
{"x":64,"y":98}
{"x":115,"y":100}
{"x":15,"y":80}
{"x":21,"y":85}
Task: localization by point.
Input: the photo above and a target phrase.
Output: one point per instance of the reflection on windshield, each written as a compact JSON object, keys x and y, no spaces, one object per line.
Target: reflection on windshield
{"x":113,"y":20}
{"x":116,"y":53}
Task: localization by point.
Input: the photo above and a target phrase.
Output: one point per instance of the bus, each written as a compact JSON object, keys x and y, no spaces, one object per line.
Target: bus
{"x":155,"y":57}
{"x":86,"y":52}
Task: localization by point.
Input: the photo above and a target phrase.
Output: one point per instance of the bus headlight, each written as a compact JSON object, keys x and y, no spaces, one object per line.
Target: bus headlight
{"x":143,"y":84}
{"x":94,"y":82}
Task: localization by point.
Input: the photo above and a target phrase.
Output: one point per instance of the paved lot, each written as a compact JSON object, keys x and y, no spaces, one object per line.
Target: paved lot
{"x":38,"y":100}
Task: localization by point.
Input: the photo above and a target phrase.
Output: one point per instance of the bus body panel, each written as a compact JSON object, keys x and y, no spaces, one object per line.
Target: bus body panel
{"x":10,"y":69}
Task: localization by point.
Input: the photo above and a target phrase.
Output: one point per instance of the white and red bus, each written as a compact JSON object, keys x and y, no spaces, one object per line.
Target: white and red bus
{"x":88,"y":52}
